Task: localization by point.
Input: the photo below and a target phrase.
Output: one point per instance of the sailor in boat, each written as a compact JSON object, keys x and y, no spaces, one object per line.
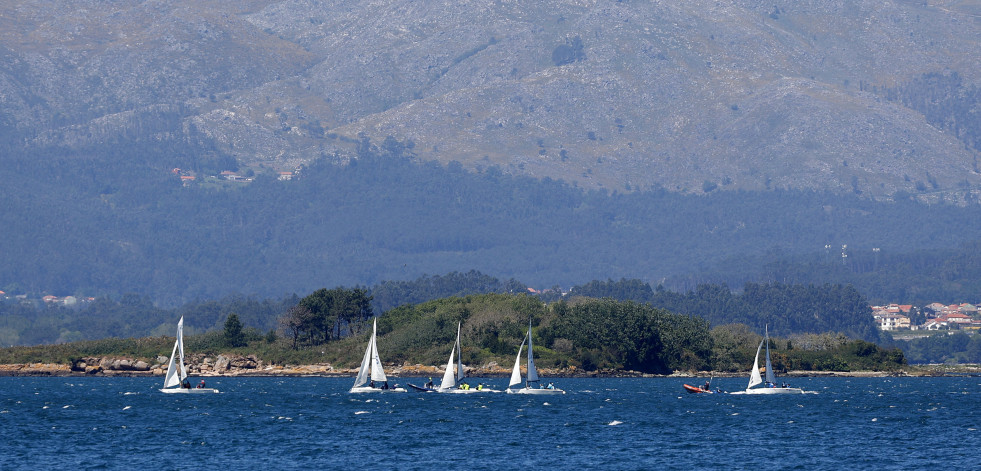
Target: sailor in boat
{"x":708,"y":386}
{"x":385,"y":386}
{"x":372,"y":384}
{"x":480,"y":386}
{"x":429,"y":385}
{"x":201,"y":384}
{"x":551,"y":386}
{"x":186,"y":384}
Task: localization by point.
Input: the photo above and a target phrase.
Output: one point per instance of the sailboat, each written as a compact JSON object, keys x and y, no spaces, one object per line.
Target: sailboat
{"x":176,"y":379}
{"x":532,"y":373}
{"x":453,"y":380}
{"x":770,"y":387}
{"x":371,"y":367}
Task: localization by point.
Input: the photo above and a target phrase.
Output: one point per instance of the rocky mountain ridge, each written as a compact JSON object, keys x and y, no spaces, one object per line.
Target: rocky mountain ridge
{"x":621,"y":95}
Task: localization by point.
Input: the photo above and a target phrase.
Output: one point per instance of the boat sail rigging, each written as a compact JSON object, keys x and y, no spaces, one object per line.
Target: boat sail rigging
{"x":455,"y":373}
{"x":371,"y":367}
{"x":531,"y":375}
{"x":175,"y":381}
{"x":755,"y":378}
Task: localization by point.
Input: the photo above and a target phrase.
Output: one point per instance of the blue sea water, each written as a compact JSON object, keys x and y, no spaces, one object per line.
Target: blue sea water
{"x":636,"y":423}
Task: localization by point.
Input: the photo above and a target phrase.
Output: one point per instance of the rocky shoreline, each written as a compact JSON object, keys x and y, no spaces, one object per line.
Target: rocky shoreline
{"x":249,"y":365}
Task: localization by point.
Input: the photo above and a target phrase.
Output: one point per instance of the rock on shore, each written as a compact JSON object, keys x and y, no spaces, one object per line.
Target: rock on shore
{"x":250,"y":365}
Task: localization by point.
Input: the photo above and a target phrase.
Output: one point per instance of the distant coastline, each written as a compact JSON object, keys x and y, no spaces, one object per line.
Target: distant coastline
{"x":491,"y":371}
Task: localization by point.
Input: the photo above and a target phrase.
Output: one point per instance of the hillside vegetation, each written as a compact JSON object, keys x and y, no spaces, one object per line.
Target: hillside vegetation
{"x":71,"y":227}
{"x":550,"y":142}
{"x":333,"y":314}
{"x":585,"y":335}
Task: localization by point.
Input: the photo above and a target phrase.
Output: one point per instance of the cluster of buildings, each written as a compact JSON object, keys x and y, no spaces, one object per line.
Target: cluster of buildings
{"x":187,"y":177}
{"x":934,"y":316}
{"x":48,"y":300}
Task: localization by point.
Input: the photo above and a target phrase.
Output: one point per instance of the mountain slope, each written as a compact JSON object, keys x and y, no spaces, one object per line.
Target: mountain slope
{"x":620,"y":95}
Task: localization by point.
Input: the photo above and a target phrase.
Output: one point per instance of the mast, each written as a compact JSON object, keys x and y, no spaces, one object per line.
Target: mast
{"x":180,"y":346}
{"x":532,"y":371}
{"x":377,"y":371}
{"x":770,"y":378}
{"x":365,"y":363}
{"x":460,"y":373}
{"x":175,"y":367}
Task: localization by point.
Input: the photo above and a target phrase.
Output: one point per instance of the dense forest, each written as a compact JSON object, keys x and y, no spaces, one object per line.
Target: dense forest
{"x":115,"y":220}
{"x":330,"y":313}
{"x":389,"y":294}
{"x":908,"y":277}
{"x":941,"y":347}
{"x":130,"y":315}
{"x":786,"y":309}
{"x":944,"y":99}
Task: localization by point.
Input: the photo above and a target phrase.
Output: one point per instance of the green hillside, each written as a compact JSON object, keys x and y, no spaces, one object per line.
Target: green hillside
{"x":585,"y":335}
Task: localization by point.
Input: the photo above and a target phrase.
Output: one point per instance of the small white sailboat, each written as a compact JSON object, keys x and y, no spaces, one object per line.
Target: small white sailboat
{"x":532,"y":378}
{"x":770,"y":387}
{"x":371,"y":369}
{"x":175,"y":382}
{"x":453,"y":378}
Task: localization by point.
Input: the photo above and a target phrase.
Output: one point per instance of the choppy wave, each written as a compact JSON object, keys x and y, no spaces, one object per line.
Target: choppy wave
{"x":657,"y":425}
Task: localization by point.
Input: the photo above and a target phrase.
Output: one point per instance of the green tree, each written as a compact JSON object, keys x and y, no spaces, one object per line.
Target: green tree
{"x":335,"y":313}
{"x":293,"y":322}
{"x":233,"y":331}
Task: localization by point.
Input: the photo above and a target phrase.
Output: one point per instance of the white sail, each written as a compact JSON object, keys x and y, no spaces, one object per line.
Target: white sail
{"x":175,"y":368}
{"x":460,"y":372}
{"x":371,"y":367}
{"x":180,"y":346}
{"x":770,"y":378}
{"x":532,"y":371}
{"x":516,"y":372}
{"x":172,"y":378}
{"x":365,"y":365}
{"x":377,"y":372}
{"x":450,"y":379}
{"x":754,"y":376}
{"x":176,"y":371}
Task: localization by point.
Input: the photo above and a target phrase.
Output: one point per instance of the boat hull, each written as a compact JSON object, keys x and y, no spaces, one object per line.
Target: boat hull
{"x":696,"y":390}
{"x":190,"y":391}
{"x":369,"y":389}
{"x":536,"y":391}
{"x":467,"y":391}
{"x":453,"y":390}
{"x":771,"y":391}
